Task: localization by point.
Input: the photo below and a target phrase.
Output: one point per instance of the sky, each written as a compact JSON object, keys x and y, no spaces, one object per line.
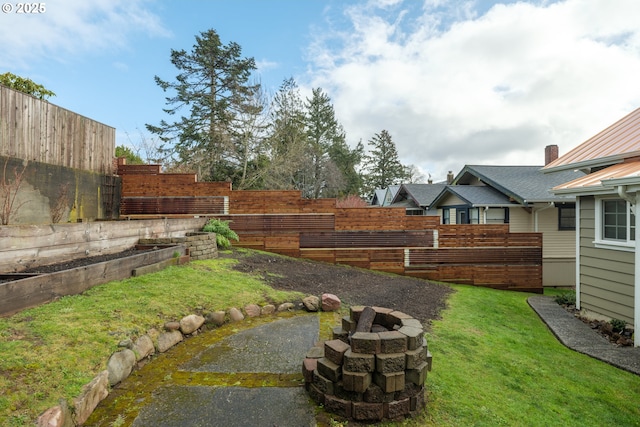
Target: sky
{"x":454,"y":82}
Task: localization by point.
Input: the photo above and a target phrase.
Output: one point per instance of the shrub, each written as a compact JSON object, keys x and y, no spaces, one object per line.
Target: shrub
{"x":618,"y":325}
{"x":224,"y":233}
{"x":566,"y":298}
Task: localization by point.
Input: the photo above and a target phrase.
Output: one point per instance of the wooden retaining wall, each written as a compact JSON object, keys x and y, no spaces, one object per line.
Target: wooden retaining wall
{"x":383,"y":239}
{"x":17,"y":295}
{"x":26,"y":246}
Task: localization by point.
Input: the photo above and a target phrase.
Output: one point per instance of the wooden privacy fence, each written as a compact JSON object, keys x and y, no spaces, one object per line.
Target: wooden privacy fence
{"x":36,"y":130}
{"x":383,"y":239}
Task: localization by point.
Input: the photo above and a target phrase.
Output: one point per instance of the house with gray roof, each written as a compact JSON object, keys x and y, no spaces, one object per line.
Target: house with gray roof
{"x":521,"y":197}
{"x":416,"y":198}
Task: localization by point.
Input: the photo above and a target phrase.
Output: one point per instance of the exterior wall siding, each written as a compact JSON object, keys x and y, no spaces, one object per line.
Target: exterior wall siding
{"x":606,"y":276}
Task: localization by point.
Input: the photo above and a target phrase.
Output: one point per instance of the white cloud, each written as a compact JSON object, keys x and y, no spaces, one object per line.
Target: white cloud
{"x":455,"y":85}
{"x":70,"y":28}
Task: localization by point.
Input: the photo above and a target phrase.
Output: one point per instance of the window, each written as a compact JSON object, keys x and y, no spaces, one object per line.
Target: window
{"x":446,"y":219}
{"x":567,"y":216}
{"x":615,"y":223}
{"x":497,"y":216}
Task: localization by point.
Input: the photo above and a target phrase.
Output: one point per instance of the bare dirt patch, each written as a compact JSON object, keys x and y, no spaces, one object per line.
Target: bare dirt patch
{"x":355,"y":286}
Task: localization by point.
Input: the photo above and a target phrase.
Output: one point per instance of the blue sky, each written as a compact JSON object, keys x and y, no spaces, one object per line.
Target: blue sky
{"x":454,"y":82}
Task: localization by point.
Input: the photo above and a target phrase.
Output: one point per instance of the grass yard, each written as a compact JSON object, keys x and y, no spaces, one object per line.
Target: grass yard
{"x":50,"y":352}
{"x":495,"y":363}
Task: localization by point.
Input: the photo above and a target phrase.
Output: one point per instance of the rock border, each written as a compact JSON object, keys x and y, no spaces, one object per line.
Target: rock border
{"x":132,"y":352}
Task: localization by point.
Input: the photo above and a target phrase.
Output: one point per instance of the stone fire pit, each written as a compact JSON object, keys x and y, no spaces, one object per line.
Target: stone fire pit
{"x":374,"y":368}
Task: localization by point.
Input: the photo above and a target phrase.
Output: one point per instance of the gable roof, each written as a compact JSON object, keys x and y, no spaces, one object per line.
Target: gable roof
{"x":378,"y":197}
{"x":521,"y":184}
{"x":474,"y":196}
{"x":422,"y":195}
{"x":390,"y":194}
{"x":612,"y":145}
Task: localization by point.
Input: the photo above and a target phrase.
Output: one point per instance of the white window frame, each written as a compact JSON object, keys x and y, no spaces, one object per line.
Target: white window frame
{"x":627,"y":245}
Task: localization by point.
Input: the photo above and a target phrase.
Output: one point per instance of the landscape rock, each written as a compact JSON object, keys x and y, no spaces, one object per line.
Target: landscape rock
{"x":311,"y":303}
{"x":168,"y":340}
{"x":172,"y":326}
{"x":268,"y":309}
{"x":286,"y":306}
{"x":235,"y":314}
{"x":120,"y":365}
{"x":330,"y":302}
{"x":57,"y":416}
{"x":216,"y":317}
{"x":92,"y":394}
{"x":191,"y":323}
{"x":143,"y":347}
{"x":252,"y":310}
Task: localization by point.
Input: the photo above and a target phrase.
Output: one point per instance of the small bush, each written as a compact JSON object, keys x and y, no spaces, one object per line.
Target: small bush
{"x":566,"y":298}
{"x":224,"y":233}
{"x":618,"y":325}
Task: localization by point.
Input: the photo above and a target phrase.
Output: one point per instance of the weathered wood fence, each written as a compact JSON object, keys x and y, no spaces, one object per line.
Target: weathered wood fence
{"x":36,"y":130}
{"x":383,"y":239}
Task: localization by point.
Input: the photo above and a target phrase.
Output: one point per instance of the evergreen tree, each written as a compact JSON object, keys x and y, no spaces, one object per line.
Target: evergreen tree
{"x":381,"y":165}
{"x":213,"y":86}
{"x":345,"y":160}
{"x":323,"y":132}
{"x":286,"y":140}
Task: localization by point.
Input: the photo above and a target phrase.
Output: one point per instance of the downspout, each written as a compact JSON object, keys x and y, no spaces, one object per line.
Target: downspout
{"x":536,"y":212}
{"x":633,"y":200}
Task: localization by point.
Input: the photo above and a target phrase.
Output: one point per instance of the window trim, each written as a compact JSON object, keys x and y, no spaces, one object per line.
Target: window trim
{"x":603,"y":243}
{"x":565,"y":206}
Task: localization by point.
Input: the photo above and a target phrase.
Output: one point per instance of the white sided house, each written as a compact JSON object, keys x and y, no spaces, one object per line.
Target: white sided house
{"x":608,"y":259}
{"x":519,"y":196}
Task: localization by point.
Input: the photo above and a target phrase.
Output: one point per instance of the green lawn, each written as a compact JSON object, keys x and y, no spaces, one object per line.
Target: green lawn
{"x":494,"y":361}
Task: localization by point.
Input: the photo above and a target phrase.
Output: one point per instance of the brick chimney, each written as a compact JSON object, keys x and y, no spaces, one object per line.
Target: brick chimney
{"x":550,"y":154}
{"x":450,"y":177}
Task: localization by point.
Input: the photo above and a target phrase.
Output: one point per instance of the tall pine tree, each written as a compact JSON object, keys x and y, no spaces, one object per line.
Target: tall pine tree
{"x":213,"y":86}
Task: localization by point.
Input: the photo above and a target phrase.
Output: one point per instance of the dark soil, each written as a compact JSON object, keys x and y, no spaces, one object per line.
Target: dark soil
{"x":81,"y":262}
{"x":354,"y":286}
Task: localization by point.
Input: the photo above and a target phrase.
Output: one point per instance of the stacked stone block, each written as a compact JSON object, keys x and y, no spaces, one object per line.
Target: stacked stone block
{"x":201,"y":245}
{"x":370,"y":376}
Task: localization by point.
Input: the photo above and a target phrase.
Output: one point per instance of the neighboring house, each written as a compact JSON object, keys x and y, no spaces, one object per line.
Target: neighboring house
{"x":378,"y":197}
{"x":519,"y":196}
{"x":608,"y":267}
{"x":416,"y":198}
{"x":384,"y":196}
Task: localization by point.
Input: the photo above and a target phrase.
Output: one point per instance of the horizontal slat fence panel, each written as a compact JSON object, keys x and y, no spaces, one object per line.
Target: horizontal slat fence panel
{"x":384,"y":239}
{"x":366,"y":239}
{"x":276,"y":223}
{"x":370,"y":218}
{"x":139,"y":169}
{"x":486,"y":255}
{"x":213,"y":205}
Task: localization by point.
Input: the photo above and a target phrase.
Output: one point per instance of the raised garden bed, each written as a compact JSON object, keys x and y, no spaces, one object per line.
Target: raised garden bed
{"x":47,"y":283}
